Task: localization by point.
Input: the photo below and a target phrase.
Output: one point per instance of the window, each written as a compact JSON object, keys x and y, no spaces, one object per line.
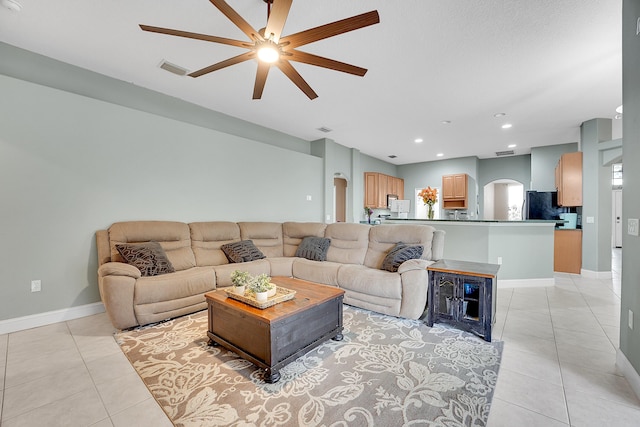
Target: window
{"x":616,"y":175}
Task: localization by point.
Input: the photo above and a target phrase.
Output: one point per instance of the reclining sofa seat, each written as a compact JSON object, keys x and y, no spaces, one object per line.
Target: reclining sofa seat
{"x":353,"y":263}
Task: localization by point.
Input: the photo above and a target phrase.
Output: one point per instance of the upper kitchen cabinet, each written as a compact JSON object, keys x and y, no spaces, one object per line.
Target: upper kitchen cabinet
{"x":377,"y":186}
{"x":454,"y":191}
{"x":569,"y":179}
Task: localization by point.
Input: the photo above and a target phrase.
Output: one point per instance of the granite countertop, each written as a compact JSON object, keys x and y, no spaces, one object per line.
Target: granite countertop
{"x":524,"y":221}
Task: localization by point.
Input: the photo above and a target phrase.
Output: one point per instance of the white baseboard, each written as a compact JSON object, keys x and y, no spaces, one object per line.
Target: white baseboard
{"x":628,"y":371}
{"x":589,"y":274}
{"x":526,"y":283}
{"x":50,"y":317}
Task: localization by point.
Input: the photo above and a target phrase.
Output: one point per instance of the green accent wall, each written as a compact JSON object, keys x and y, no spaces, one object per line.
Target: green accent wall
{"x":630,"y":297}
{"x":71,"y":165}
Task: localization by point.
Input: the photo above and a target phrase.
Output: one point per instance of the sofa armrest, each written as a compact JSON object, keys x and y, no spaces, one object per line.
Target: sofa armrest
{"x":414,"y":264}
{"x":437,"y":245}
{"x":118,"y":269}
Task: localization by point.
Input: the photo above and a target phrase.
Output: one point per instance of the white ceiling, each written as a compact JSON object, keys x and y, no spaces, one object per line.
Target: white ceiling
{"x":548,"y":64}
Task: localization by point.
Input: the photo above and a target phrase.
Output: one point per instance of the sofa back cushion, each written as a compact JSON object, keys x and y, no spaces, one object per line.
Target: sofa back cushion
{"x":267,"y":236}
{"x":383,"y":238}
{"x":174,"y":237}
{"x":207,"y":239}
{"x":349,"y":242}
{"x":294,"y":232}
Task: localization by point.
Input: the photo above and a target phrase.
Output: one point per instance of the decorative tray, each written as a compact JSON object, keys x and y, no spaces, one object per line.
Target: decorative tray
{"x":282,"y":294}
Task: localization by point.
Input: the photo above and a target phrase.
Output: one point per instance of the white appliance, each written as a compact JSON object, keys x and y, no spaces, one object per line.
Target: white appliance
{"x":401,"y":207}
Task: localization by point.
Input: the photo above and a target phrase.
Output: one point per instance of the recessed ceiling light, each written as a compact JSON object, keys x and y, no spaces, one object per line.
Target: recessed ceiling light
{"x":439,"y":155}
{"x":418,"y":140}
{"x":617,"y":116}
{"x":619,"y":110}
{"x":511,"y":146}
{"x":446,"y":122}
{"x":506,"y":125}
{"x":499,"y":114}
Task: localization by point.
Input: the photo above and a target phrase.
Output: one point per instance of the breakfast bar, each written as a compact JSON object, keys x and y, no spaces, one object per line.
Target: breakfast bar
{"x":524,"y":249}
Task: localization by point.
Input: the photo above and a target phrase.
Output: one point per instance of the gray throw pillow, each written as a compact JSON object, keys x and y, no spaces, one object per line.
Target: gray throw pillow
{"x":313,"y":248}
{"x":147,"y":257}
{"x":399,"y":254}
{"x":242,"y":251}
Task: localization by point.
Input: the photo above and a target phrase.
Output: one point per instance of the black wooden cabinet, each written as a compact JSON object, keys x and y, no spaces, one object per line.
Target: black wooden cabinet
{"x":463,"y":294}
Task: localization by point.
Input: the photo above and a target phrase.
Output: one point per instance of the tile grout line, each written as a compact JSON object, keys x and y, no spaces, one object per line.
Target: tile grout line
{"x":555,"y":343}
{"x":93,"y":381}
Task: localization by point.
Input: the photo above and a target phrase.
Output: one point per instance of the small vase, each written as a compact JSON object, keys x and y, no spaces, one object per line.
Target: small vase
{"x":261,"y":296}
{"x":239,"y":290}
{"x":430,"y":212}
{"x":271,"y":292}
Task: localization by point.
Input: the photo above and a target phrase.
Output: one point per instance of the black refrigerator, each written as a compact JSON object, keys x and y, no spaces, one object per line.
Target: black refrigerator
{"x":542,"y":205}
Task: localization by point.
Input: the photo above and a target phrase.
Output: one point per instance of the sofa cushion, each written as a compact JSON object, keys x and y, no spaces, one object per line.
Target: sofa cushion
{"x":325,"y":272}
{"x":349,"y":242}
{"x":313,"y":248}
{"x":174,"y":237}
{"x":207,"y":239}
{"x":294,"y":232}
{"x":242,"y":251}
{"x":382,"y":238}
{"x":376,"y":290}
{"x":147,"y":257}
{"x":267,"y":236}
{"x":399,"y":254}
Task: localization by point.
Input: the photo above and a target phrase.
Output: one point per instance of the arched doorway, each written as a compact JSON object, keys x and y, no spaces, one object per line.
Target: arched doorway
{"x":340,"y":199}
{"x":503,"y":200}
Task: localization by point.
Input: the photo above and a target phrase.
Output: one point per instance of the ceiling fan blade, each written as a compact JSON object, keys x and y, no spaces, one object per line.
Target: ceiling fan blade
{"x":296,"y":78}
{"x":238,"y":20}
{"x":196,"y":36}
{"x":277,"y":18}
{"x":332,"y":29}
{"x":319,"y":61}
{"x":261,"y":79}
{"x":226,"y":63}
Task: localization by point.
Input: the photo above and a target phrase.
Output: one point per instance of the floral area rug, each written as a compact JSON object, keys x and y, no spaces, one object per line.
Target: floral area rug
{"x":385,"y":372}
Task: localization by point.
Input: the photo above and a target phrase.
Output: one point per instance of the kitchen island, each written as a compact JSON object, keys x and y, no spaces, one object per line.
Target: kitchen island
{"x":524,"y":249}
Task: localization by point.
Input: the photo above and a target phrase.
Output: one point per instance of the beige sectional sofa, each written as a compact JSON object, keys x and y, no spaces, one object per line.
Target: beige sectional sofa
{"x":353,"y":263}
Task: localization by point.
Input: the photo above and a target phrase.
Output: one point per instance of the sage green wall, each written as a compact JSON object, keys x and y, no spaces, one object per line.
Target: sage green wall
{"x":630,"y":297}
{"x":596,"y":197}
{"x":543,"y":165}
{"x":517,"y":168}
{"x":338,"y":161}
{"x":29,"y":66}
{"x":420,"y":175}
{"x":70,"y":165}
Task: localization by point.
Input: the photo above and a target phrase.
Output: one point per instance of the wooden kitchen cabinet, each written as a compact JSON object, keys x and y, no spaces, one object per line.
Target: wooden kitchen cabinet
{"x":567,"y":251}
{"x":454,"y":191}
{"x":377,"y":186}
{"x":569,"y":179}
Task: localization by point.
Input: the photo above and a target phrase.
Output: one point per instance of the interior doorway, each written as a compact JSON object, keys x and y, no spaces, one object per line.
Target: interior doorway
{"x":616,"y":204}
{"x":503,"y":200}
{"x":340,"y":199}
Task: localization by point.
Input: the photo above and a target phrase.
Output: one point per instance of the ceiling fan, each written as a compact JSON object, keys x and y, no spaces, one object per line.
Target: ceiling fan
{"x":271,"y":48}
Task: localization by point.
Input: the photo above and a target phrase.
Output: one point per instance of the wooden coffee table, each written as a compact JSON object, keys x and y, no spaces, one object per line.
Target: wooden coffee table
{"x":272,"y":337}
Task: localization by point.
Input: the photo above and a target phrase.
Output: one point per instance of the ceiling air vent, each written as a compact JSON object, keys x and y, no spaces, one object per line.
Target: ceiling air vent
{"x":324,"y":129}
{"x":173,"y":68}
{"x":505,"y":153}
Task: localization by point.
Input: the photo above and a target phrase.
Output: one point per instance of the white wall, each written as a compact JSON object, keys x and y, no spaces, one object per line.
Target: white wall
{"x":70,"y":165}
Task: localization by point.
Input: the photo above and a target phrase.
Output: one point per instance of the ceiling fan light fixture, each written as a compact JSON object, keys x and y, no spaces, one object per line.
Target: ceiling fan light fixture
{"x":268,"y":52}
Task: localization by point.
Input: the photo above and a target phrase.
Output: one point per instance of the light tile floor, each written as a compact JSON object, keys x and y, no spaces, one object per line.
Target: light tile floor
{"x":558,"y":366}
